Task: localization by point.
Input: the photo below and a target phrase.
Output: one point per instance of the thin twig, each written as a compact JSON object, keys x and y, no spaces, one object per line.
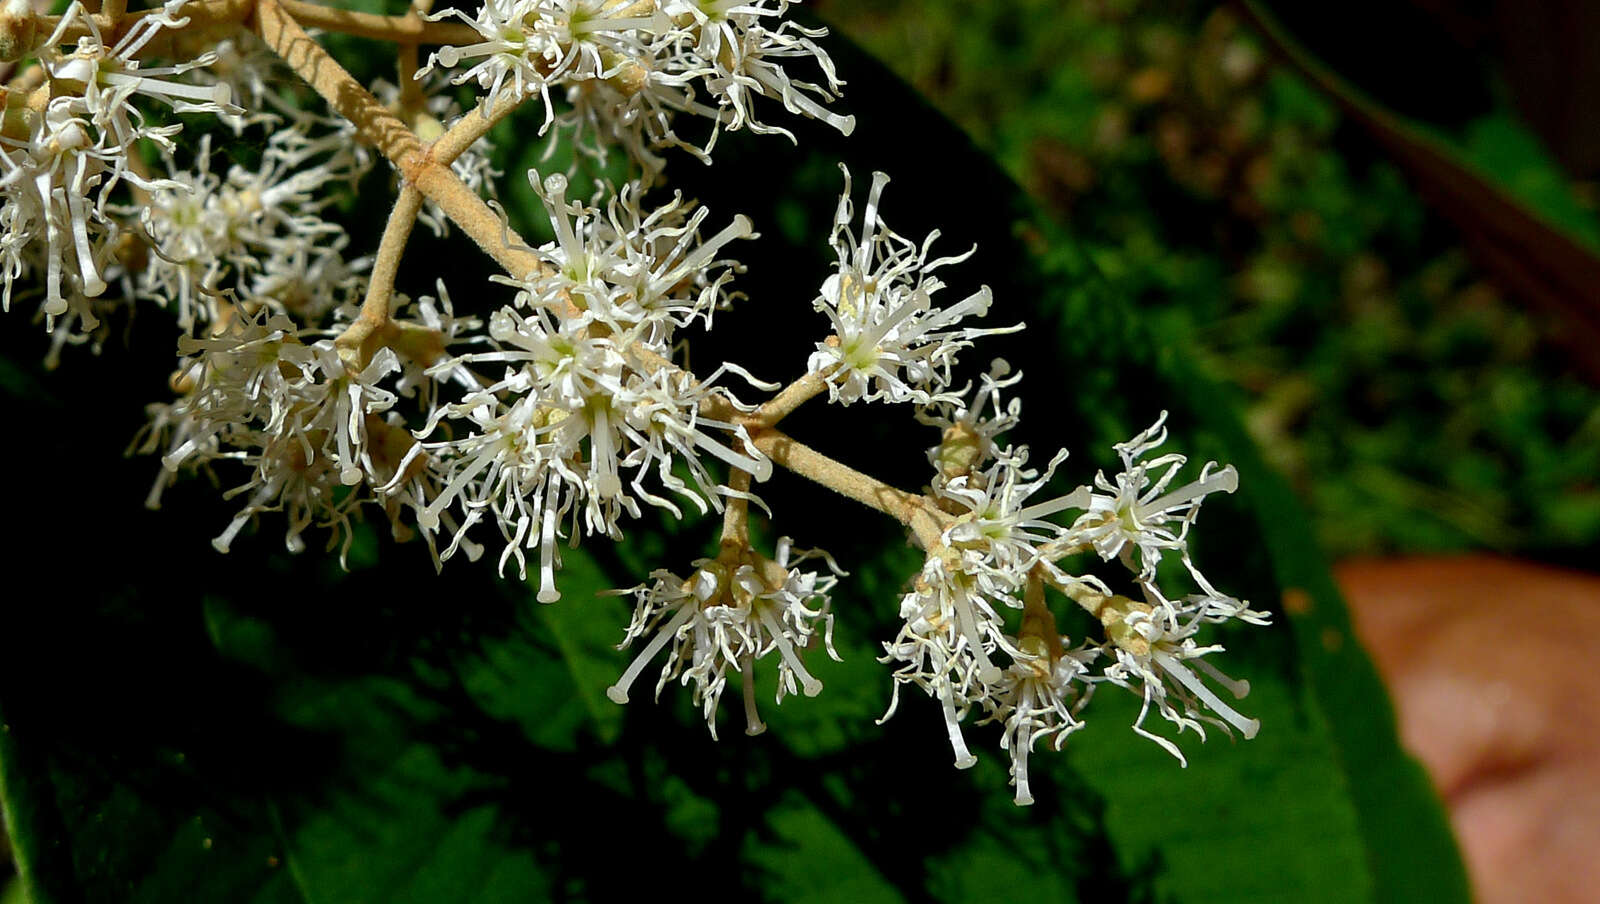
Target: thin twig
{"x":786,"y":401}
{"x":368,"y":332}
{"x":379,"y":127}
{"x":469,"y":128}
{"x":910,"y":509}
{"x":736,"y":516}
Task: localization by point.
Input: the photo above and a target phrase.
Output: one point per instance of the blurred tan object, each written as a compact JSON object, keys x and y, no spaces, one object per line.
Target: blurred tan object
{"x":1492,"y":665}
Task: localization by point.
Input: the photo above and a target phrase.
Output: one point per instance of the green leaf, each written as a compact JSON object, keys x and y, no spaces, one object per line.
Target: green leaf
{"x":803,"y":838}
{"x":1407,"y":838}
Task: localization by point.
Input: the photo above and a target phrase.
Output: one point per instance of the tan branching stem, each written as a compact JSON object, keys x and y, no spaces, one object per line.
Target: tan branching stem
{"x":1038,"y":622}
{"x":412,"y":98}
{"x":736,"y":516}
{"x":468,"y":211}
{"x":1090,"y":600}
{"x":786,"y":401}
{"x":378,"y":126}
{"x":370,"y":330}
{"x":374,"y":123}
{"x":910,"y":509}
{"x":469,"y":128}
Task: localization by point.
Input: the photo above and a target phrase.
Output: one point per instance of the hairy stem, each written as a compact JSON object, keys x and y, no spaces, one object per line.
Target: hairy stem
{"x":736,"y":516}
{"x":379,"y":127}
{"x":910,"y":509}
{"x":469,"y":128}
{"x":374,"y":123}
{"x":786,"y":401}
{"x":1090,"y":600}
{"x":412,"y":97}
{"x":369,"y":331}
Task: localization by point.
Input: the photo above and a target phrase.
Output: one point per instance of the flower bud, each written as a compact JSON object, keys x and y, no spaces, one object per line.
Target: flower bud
{"x":18,"y":28}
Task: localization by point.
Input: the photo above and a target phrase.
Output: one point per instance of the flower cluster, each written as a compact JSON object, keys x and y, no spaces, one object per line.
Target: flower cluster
{"x":590,"y":405}
{"x":67,"y":144}
{"x":889,"y":342}
{"x":317,"y":437}
{"x":319,"y":392}
{"x":252,"y":236}
{"x":732,"y":611}
{"x":625,"y":70}
{"x":1000,"y":550}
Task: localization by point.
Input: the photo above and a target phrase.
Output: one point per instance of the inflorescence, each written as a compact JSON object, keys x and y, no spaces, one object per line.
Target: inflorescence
{"x":305,"y":378}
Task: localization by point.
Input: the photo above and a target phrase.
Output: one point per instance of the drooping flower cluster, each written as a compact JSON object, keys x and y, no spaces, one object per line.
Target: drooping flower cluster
{"x":1000,"y":550}
{"x":252,"y":236}
{"x":317,"y":438}
{"x":733,"y":611}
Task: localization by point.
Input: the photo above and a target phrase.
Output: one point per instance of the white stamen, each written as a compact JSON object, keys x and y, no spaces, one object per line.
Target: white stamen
{"x":547,"y":548}
{"x":753,"y":724}
{"x":1247,"y":727}
{"x":619,"y":692}
{"x":952,"y":727}
{"x":1225,"y":480}
{"x":808,"y":684}
{"x":988,"y":672}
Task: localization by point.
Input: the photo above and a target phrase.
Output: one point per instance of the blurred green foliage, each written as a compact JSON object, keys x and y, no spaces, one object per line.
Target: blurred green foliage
{"x":1414,"y":407}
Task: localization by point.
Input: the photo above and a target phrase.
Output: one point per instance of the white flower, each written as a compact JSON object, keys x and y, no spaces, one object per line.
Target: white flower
{"x":889,"y":342}
{"x":575,"y":425}
{"x":257,"y":233}
{"x":259,"y":393}
{"x":1132,"y":513}
{"x":642,"y":274}
{"x":730,"y":48}
{"x":628,"y":68}
{"x":529,"y":45}
{"x":993,"y":524}
{"x":951,"y":628}
{"x":1147,"y":650}
{"x":1039,"y":698}
{"x":49,"y":189}
{"x":726,"y":616}
{"x":968,"y":438}
{"x":305,"y":488}
{"x":56,"y":180}
{"x":239,"y":380}
{"x":661,"y":418}
{"x":503,"y":472}
{"x":252,"y":73}
{"x":105,"y":79}
{"x":306,"y":279}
